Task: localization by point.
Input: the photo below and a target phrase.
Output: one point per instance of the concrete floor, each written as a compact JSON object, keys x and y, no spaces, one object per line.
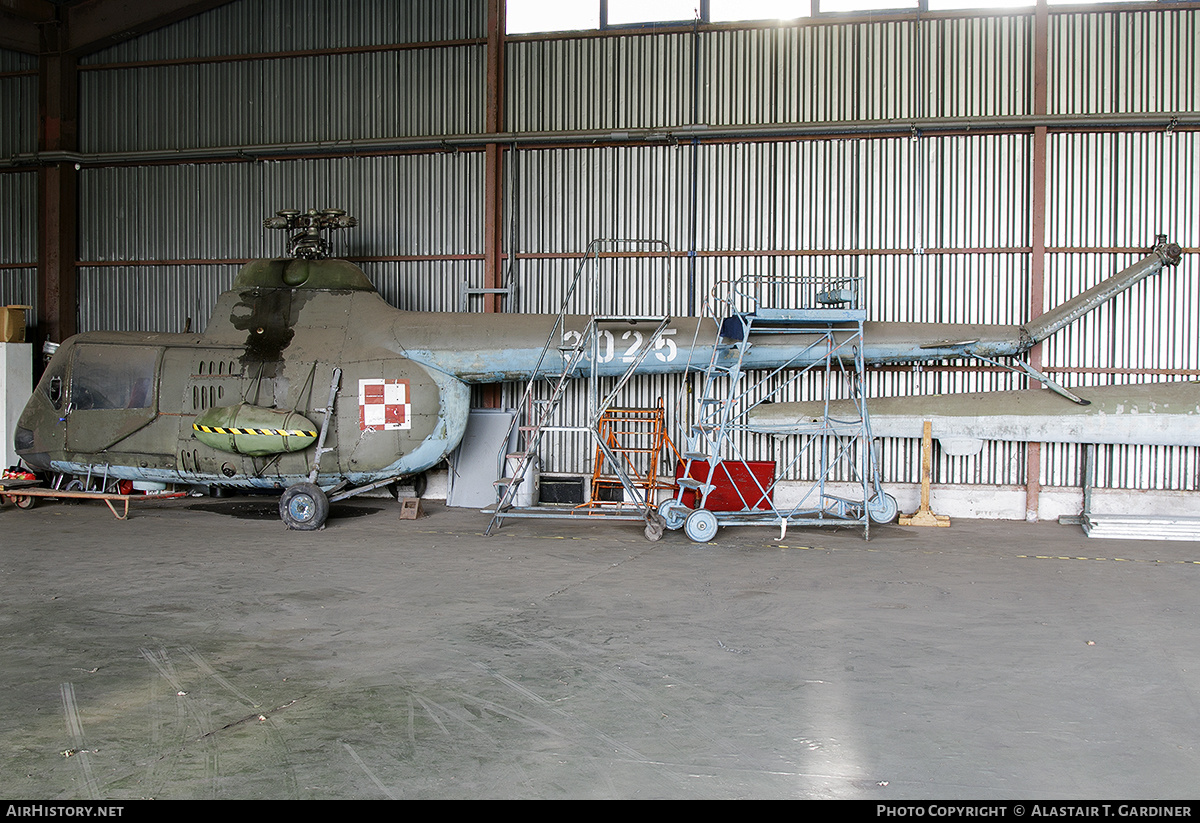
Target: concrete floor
{"x":200,"y":650}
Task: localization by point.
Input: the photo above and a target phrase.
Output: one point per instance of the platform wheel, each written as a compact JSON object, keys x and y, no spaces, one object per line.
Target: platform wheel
{"x":701,"y":525}
{"x":674,"y":513}
{"x":882,"y":508}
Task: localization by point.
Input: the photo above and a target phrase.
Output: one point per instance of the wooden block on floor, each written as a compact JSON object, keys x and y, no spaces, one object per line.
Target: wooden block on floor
{"x":410,"y":508}
{"x":924,"y":517}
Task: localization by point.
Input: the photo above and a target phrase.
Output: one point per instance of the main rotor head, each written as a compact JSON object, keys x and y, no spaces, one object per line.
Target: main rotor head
{"x":307,"y":242}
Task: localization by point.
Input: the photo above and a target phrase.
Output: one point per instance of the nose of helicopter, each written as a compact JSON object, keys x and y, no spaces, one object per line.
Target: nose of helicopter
{"x":23,"y":444}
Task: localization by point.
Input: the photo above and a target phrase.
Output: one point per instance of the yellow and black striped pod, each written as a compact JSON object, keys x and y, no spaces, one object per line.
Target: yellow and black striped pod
{"x":254,"y":430}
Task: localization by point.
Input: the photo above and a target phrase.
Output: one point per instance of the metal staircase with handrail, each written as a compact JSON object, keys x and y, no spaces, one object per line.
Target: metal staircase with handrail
{"x":830,"y":324}
{"x":578,"y":356}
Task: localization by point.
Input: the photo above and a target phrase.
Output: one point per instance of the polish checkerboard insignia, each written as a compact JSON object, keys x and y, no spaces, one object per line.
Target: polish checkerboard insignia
{"x":384,"y":405}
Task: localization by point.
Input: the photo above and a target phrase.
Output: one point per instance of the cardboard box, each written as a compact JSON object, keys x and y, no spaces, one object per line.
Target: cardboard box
{"x":12,"y":324}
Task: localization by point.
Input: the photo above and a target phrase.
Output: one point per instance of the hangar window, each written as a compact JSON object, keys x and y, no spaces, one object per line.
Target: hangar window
{"x":728,"y":11}
{"x":866,"y":5}
{"x":633,"y":12}
{"x":525,"y":16}
{"x":529,"y":16}
{"x":945,"y":5}
{"x":939,"y":5}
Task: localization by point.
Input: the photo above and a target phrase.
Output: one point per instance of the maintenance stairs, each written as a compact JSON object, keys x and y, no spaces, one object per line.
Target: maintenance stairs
{"x":568,"y":355}
{"x":720,"y":485}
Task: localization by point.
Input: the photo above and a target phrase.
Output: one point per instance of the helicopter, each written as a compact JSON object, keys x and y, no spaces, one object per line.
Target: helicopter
{"x":307,"y":382}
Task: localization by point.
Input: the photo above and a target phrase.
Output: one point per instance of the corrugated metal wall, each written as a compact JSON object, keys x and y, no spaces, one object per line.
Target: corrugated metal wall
{"x":961,"y":202}
{"x":257,"y":27}
{"x":18,"y":188}
{"x":1133,"y":61}
{"x":939,"y":225}
{"x":1115,"y":190}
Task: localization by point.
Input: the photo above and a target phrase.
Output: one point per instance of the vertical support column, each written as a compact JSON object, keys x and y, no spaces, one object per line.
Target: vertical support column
{"x":58,"y":189}
{"x":1037,"y":262}
{"x":493,"y":184}
{"x":58,"y":195}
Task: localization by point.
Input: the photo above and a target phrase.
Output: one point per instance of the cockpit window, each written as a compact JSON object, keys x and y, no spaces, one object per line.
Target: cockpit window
{"x":54,"y":390}
{"x":113,"y":377}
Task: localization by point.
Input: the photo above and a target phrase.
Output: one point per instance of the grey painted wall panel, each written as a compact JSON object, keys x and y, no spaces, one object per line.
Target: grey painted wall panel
{"x":257,"y":26}
{"x":18,"y":104}
{"x":599,"y":83}
{"x":294,"y":100}
{"x":159,"y":299}
{"x":406,"y":205}
{"x":18,"y":239}
{"x":18,"y":228}
{"x":1140,"y":61}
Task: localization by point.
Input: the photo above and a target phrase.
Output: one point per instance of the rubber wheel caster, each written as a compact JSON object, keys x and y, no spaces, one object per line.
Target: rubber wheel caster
{"x":882,"y":508}
{"x":701,"y":525}
{"x":673,"y":513}
{"x":655,"y":528}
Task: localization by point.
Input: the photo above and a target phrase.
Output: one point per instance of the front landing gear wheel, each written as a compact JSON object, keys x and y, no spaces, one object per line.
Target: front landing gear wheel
{"x":304,"y":507}
{"x":701,"y":525}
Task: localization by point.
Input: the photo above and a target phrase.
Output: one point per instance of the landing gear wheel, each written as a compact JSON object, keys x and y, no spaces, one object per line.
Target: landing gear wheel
{"x":882,"y":508}
{"x":673,"y":513}
{"x":701,"y":525}
{"x":24,"y":501}
{"x":304,"y":507}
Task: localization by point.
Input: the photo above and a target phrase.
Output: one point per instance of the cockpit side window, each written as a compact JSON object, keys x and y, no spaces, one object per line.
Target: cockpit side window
{"x":112,"y":377}
{"x":54,"y":390}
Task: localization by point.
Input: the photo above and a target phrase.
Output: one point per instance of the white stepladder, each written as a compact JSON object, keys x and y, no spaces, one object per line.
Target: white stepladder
{"x":720,"y":483}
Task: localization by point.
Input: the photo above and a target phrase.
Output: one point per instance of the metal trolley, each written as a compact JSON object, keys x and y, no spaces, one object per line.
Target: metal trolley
{"x":827,"y":451}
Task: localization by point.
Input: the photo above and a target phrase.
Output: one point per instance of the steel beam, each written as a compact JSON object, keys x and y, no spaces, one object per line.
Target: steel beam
{"x":493,"y":200}
{"x":1037,"y":209}
{"x":19,"y":22}
{"x":634,"y":137}
{"x":57,"y":279}
{"x":98,"y":24}
{"x":58,"y":189}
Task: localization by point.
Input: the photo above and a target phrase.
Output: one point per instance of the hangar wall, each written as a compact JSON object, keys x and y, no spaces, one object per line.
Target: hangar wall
{"x":939,"y":224}
{"x":18,"y":187}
